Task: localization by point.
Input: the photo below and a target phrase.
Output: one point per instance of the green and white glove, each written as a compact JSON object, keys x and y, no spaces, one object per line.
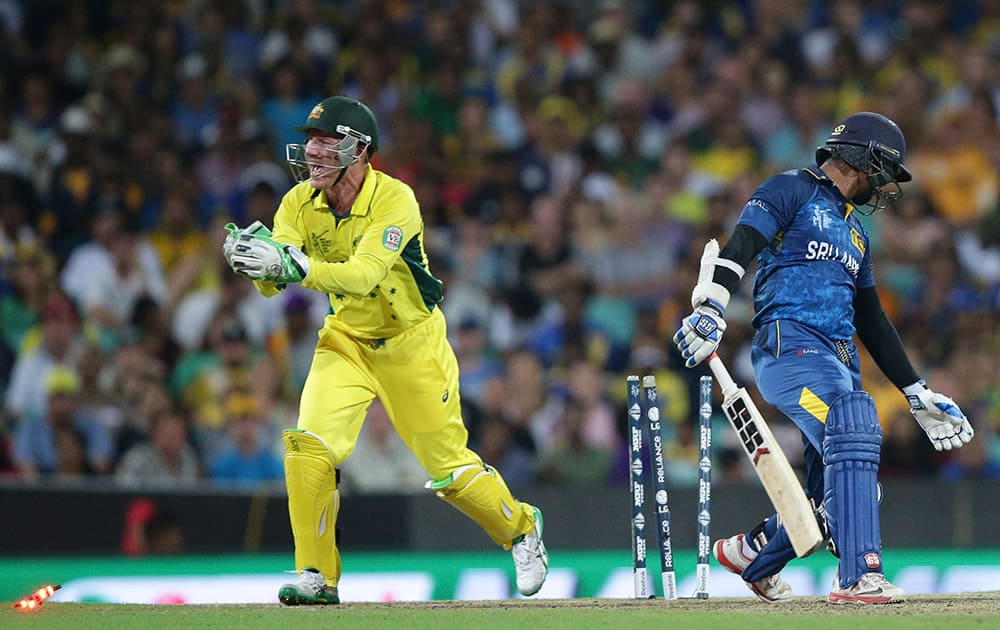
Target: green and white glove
{"x":233,"y":236}
{"x":262,"y":258}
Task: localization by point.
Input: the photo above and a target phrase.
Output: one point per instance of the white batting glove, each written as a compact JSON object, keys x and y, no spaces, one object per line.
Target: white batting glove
{"x":700,"y":333}
{"x":940,"y":418}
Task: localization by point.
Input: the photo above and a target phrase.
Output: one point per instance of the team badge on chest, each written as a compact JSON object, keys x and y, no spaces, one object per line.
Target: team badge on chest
{"x":857,"y":241}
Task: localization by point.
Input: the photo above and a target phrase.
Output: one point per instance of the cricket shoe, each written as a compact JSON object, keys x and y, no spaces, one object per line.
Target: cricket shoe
{"x":729,"y":553}
{"x":531,"y":561}
{"x":872,"y":588}
{"x":308,"y":589}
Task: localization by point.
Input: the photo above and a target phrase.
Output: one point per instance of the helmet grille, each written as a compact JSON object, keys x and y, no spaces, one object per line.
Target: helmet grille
{"x":856,"y":156}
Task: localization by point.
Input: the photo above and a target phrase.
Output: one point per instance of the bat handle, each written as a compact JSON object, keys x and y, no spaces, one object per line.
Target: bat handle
{"x":726,"y":382}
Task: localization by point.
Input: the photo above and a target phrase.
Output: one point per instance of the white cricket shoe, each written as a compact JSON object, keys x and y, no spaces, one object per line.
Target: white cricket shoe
{"x":872,"y":588}
{"x":531,"y":561}
{"x":729,"y":553}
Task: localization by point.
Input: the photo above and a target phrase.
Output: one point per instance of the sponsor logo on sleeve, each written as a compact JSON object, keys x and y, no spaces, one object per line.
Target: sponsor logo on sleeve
{"x":392,"y":238}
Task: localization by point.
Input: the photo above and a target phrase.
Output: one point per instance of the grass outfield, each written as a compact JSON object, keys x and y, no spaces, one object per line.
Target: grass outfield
{"x":979,"y":610}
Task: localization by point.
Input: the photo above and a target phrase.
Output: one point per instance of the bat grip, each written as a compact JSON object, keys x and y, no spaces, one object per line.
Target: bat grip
{"x":726,"y":381}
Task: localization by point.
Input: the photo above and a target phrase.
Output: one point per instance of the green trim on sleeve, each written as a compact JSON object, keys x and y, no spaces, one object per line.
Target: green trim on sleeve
{"x":431,"y":289}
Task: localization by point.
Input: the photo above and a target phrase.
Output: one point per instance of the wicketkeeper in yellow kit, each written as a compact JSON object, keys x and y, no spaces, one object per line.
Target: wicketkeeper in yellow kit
{"x":356,"y":234}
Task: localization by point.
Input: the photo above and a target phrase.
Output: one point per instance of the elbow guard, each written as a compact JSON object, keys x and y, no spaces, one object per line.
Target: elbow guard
{"x":708,"y":290}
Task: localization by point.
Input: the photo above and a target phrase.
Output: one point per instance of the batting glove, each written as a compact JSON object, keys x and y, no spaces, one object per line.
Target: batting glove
{"x":940,"y":418}
{"x":700,"y":333}
{"x":262,"y":258}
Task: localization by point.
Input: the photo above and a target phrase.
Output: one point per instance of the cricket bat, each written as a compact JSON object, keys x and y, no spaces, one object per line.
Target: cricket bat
{"x":769,"y":461}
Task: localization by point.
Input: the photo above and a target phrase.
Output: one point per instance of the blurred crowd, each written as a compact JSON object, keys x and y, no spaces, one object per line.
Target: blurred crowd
{"x":570,"y":159}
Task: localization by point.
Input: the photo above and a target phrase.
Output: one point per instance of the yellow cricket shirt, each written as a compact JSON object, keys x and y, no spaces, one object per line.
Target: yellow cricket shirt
{"x":371,"y":261}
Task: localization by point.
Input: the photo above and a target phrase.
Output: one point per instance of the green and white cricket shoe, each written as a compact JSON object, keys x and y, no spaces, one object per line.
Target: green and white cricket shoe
{"x":307,"y":590}
{"x":531,"y":561}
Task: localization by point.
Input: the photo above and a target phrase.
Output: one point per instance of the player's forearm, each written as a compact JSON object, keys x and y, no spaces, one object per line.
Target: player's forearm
{"x":881,"y":339}
{"x":356,"y":276}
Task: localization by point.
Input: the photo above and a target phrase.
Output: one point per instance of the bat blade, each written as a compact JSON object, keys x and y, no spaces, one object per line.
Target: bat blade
{"x":770,"y":463}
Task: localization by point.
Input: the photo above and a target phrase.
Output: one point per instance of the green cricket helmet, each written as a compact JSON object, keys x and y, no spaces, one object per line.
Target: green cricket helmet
{"x":341,"y":115}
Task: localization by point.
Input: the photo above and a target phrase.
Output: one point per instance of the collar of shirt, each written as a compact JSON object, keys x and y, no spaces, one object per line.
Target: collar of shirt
{"x":362,"y":203}
{"x":818,"y":173}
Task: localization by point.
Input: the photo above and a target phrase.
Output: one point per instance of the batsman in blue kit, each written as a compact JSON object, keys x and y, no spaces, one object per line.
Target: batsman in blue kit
{"x":814,"y":291}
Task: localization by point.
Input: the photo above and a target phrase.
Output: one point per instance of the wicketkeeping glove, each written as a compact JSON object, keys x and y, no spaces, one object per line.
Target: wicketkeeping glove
{"x":262,"y":258}
{"x":233,"y":236}
{"x":700,"y":333}
{"x":940,"y":418}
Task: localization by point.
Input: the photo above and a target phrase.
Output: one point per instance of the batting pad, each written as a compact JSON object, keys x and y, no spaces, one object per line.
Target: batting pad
{"x":851,"y":450}
{"x":480,"y":493}
{"x":313,"y":502}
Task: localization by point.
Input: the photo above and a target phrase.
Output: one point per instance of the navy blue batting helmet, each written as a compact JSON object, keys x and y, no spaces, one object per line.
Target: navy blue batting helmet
{"x":882,"y":143}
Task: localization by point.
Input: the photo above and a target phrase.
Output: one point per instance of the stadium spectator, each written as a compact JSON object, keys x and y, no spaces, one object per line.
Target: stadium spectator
{"x":74,"y":186}
{"x":570,"y":459}
{"x":111,"y":292}
{"x":35,"y":121}
{"x":286,"y":104}
{"x":301,"y":337}
{"x":201,"y":379}
{"x":108,"y":273}
{"x":64,"y":438}
{"x":246,"y":455}
{"x":59,"y":342}
{"x":597,"y":424}
{"x":31,"y":277}
{"x":71,"y":454}
{"x":532,"y":405}
{"x":194,"y":315}
{"x":509,"y":446}
{"x":20,"y":205}
{"x":182,"y":247}
{"x":478,"y":360}
{"x":955,"y":169}
{"x":165,"y":459}
{"x":381,"y":462}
